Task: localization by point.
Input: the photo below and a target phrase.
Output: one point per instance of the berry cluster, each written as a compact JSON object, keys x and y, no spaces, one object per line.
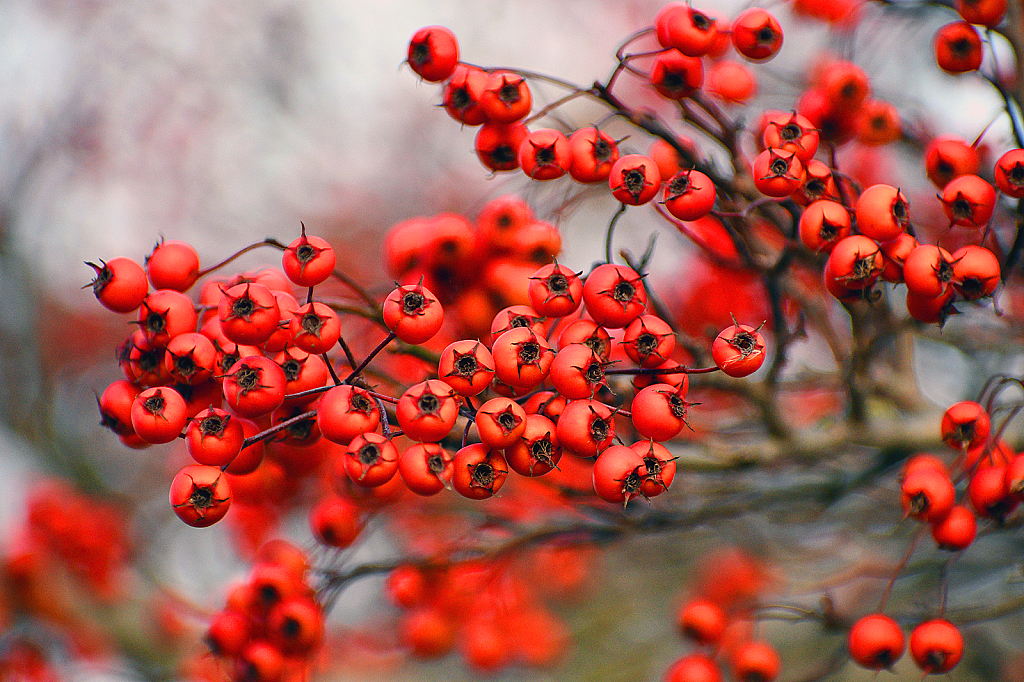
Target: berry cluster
{"x":530,"y":388}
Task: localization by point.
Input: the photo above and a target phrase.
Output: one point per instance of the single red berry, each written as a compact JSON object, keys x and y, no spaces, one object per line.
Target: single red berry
{"x":876,"y":642}
{"x":883,"y":213}
{"x":1009,"y":173}
{"x":739,"y":350}
{"x":689,"y":195}
{"x":173,"y":265}
{"x":958,"y":47}
{"x":756,"y":34}
{"x":159,"y":415}
{"x":755,"y":661}
{"x":777,"y":173}
{"x":594,"y":152}
{"x":555,"y":290}
{"x":309,"y":260}
{"x":634,"y":179}
{"x":614,"y":295}
{"x":413,"y":313}
{"x":120,"y":284}
{"x":702,"y":621}
{"x":618,"y":474}
{"x":433,"y":53}
{"x":936,"y":646}
{"x":478,"y":472}
{"x":200,"y":495}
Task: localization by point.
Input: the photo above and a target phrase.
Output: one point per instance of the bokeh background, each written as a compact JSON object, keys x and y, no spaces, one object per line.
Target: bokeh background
{"x":221,"y":123}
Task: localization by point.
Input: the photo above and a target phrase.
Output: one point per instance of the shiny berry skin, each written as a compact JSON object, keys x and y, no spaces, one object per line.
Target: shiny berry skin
{"x":949,"y":157}
{"x":249,"y":313}
{"x":883,"y":213}
{"x":1009,"y":173}
{"x":370,"y":460}
{"x":988,"y":13}
{"x":516,"y":316}
{"x":976,"y":272}
{"x":413,"y":313}
{"x":823,"y":224}
{"x":876,"y":642}
{"x":927,"y":495}
{"x":497,"y":145}
{"x":614,"y":295}
{"x":686,"y":29}
{"x":675,"y":75}
{"x":936,"y":646}
{"x":478,"y":472}
{"x":315,"y":328}
{"x":968,"y":201}
{"x":756,"y":34}
{"x":958,"y":48}
{"x":555,"y":290}
{"x":649,"y":341}
{"x":461,"y":95}
{"x":214,"y":437}
{"x":190,"y":358}
{"x":467,"y":366}
{"x":955,"y":532}
{"x":855,"y":261}
{"x":777,"y":173}
{"x":585,"y":427}
{"x":989,"y":493}
{"x":545,"y":154}
{"x":164,"y":314}
{"x":427,"y":411}
{"x":618,"y":474}
{"x":577,"y":372}
{"x":659,"y":467}
{"x":254,"y":386}
{"x":689,"y":195}
{"x":634,"y":179}
{"x":173,"y":264}
{"x":536,"y":451}
{"x":120,"y":284}
{"x":928,"y":271}
{"x":159,"y":415}
{"x":500,"y":422}
{"x":115,"y":405}
{"x":791,"y":133}
{"x":739,"y":350}
{"x":309,"y":260}
{"x":344,"y":412}
{"x":522,"y":358}
{"x":659,"y":412}
{"x":594,"y":152}
{"x":425,"y":468}
{"x":200,"y":495}
{"x":505,"y":98}
{"x":433,"y":53}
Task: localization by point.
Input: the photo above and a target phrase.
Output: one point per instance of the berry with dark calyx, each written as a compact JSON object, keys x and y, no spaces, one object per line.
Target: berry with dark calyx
{"x":433,"y":53}
{"x":876,"y":642}
{"x":120,"y":284}
{"x":413,"y":313}
{"x":309,"y":260}
{"x":936,"y":646}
